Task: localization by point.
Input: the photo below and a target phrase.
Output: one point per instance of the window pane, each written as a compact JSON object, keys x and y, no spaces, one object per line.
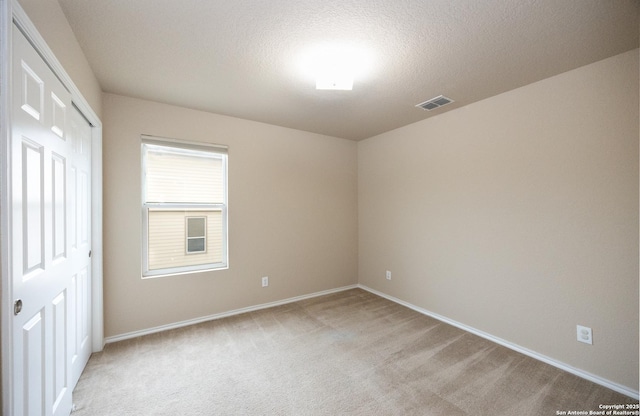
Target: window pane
{"x":195,"y":227}
{"x":195,"y":245}
{"x":166,"y":243}
{"x":179,"y":175}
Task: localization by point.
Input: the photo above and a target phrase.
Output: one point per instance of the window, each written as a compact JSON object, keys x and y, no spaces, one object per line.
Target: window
{"x":184,"y":207}
{"x":196,"y":235}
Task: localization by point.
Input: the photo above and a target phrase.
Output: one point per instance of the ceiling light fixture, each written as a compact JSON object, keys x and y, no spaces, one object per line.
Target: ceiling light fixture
{"x":335,"y":67}
{"x":334,"y":79}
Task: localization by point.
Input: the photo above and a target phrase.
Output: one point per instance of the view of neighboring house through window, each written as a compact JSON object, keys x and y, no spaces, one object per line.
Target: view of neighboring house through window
{"x":184,"y":207}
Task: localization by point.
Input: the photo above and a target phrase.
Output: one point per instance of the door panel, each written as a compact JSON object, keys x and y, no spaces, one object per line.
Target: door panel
{"x":32,"y":94}
{"x":33,"y":206}
{"x":60,"y":354}
{"x":51,"y":233}
{"x":58,"y":187}
{"x":80,"y":224}
{"x":34,"y":365}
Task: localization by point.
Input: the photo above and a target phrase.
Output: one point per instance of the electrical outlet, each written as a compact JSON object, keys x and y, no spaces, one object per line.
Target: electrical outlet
{"x":265,"y":281}
{"x":584,"y":334}
{"x":388,"y":275}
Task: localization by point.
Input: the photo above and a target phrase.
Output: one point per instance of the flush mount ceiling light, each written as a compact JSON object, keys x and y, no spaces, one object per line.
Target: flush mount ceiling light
{"x":335,"y":67}
{"x":332,"y":79}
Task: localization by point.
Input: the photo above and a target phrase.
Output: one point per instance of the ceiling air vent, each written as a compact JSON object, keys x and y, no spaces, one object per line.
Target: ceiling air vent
{"x":434,"y":103}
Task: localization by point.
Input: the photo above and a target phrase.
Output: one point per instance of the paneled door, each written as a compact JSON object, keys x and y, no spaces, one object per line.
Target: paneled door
{"x":80,"y":234}
{"x":50,"y":237}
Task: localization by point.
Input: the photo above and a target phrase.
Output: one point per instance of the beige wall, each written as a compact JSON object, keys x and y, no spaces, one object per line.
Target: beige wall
{"x":517,"y":216}
{"x":48,"y":18}
{"x":292,"y":216}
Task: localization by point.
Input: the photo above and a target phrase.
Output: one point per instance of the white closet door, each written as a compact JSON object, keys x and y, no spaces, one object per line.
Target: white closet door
{"x":50,"y":237}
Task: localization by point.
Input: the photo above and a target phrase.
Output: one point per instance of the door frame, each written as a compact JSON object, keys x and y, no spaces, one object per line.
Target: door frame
{"x":10,"y":12}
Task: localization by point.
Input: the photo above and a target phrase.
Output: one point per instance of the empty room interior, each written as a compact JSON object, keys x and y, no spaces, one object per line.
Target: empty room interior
{"x":472,"y":182}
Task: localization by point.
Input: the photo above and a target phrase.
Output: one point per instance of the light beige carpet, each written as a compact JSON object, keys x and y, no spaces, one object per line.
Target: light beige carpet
{"x":350,"y":353}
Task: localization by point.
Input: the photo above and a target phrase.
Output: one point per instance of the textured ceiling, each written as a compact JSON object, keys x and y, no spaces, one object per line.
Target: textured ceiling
{"x":240,"y":57}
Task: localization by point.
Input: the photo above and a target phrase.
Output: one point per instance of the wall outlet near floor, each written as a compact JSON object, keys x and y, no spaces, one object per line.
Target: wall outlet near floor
{"x":388,"y":275}
{"x":584,"y":334}
{"x":265,"y":281}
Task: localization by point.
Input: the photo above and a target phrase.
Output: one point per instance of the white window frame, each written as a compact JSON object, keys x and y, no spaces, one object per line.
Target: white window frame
{"x":146,"y":207}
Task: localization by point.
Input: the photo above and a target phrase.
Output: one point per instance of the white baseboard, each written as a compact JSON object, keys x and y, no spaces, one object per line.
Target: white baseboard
{"x":181,"y":324}
{"x":580,"y":373}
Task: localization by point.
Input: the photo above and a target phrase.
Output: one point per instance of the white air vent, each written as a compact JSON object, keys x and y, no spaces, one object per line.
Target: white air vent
{"x":434,"y":103}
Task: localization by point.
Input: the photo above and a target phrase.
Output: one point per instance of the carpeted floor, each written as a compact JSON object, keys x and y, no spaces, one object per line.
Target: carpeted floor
{"x":350,"y":353}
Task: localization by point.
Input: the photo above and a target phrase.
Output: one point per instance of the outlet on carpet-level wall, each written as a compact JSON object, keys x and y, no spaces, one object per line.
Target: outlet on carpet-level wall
{"x":585,"y":334}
